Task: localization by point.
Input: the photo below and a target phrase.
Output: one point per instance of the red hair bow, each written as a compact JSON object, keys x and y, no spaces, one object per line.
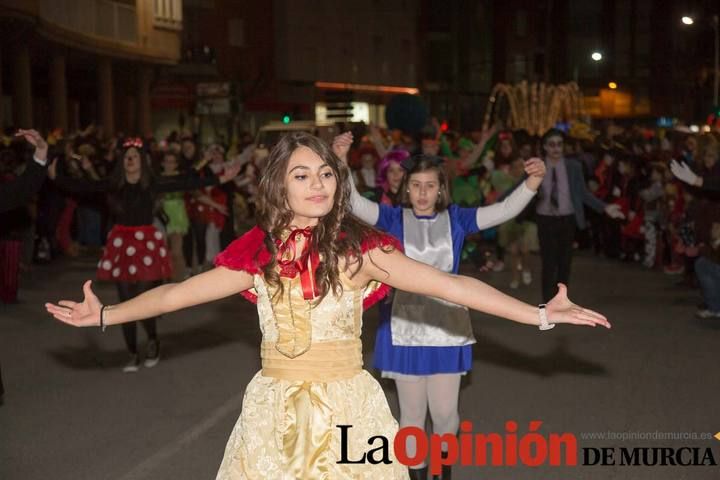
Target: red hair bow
{"x":133,"y":142}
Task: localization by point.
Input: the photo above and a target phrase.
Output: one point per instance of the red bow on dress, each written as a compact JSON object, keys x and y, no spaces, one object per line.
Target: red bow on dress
{"x":305,"y":264}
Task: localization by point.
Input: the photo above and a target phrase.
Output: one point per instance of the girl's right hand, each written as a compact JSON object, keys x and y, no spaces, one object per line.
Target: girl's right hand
{"x":84,"y":314}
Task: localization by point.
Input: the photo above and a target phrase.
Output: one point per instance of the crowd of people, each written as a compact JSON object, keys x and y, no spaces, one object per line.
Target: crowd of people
{"x":637,"y":195}
{"x":657,"y":219}
{"x":664,"y":221}
{"x":170,"y":210}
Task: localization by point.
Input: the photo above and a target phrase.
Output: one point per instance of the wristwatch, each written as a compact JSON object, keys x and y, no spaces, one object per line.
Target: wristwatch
{"x":544,"y":325}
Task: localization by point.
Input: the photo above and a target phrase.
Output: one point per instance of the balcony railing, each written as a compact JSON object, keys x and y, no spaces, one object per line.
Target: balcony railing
{"x":99,"y":18}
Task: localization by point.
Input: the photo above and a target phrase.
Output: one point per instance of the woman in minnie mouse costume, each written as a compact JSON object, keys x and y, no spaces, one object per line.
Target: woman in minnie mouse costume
{"x":311,"y":267}
{"x":135,"y":256}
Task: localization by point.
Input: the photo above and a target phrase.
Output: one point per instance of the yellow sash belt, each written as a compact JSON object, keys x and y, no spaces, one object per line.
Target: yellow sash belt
{"x":323,"y":362}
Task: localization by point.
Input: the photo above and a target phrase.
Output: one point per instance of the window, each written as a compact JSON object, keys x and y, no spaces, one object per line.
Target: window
{"x":168,"y":14}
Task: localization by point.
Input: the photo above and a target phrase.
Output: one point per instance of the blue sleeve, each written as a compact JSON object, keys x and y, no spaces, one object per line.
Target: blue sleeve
{"x":464,"y":218}
{"x":389,"y":217}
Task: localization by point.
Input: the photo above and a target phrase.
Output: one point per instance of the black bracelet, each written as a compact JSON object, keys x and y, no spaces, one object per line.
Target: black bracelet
{"x":102,"y":319}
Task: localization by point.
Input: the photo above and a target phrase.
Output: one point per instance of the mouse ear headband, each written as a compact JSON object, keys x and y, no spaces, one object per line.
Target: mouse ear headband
{"x":133,"y":142}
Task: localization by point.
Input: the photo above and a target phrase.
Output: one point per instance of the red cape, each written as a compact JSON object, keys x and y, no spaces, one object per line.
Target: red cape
{"x":249,"y":254}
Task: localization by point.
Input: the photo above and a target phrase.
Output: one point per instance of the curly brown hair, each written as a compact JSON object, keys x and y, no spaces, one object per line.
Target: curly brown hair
{"x":337,"y":234}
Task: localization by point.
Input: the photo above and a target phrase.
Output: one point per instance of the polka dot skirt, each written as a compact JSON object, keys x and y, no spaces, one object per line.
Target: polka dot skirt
{"x":134,"y":254}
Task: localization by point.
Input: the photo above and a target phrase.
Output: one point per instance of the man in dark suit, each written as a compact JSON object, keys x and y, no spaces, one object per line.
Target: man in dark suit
{"x":18,"y":192}
{"x":560,"y":209}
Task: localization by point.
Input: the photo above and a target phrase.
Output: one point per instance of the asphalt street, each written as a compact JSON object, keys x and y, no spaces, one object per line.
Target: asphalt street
{"x":70,"y":413}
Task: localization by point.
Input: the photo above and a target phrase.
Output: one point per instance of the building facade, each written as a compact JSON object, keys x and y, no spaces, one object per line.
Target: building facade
{"x":68,"y":63}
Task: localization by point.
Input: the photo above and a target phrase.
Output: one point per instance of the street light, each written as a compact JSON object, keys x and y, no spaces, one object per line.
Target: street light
{"x":687,"y":20}
{"x":612,"y":85}
{"x":596,"y":56}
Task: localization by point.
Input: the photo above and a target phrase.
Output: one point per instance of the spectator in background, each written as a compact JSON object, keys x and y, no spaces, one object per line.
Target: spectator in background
{"x":135,"y":257}
{"x":562,"y":196}
{"x":364,"y":164}
{"x":390,"y":177}
{"x":631,"y":236}
{"x":14,"y":194}
{"x":707,"y":269}
{"x":173,"y":206}
{"x":653,"y":213}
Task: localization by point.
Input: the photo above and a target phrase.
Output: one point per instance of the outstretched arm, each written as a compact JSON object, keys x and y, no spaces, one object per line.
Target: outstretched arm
{"x":185,"y":183}
{"x":363,"y":208}
{"x":401,"y":272}
{"x":217,"y":283}
{"x":511,"y":207}
{"x":480,"y":146}
{"x":19,"y":191}
{"x":683,"y":172}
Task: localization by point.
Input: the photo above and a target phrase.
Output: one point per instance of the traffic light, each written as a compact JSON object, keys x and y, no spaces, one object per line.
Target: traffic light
{"x":286,"y":118}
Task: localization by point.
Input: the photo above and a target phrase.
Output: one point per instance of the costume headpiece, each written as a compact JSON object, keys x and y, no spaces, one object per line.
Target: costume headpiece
{"x":396,"y":156}
{"x":135,"y":142}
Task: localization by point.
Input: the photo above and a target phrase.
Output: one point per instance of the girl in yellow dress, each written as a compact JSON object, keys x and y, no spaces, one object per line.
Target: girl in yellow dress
{"x":312,"y":267}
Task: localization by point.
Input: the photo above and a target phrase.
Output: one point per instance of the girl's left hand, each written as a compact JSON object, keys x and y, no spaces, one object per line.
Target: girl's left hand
{"x":535,"y":170}
{"x":535,"y":167}
{"x":561,"y":310}
{"x":341,"y":145}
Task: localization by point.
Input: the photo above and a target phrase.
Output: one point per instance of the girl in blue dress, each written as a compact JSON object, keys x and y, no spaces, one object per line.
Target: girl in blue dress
{"x":424,"y":343}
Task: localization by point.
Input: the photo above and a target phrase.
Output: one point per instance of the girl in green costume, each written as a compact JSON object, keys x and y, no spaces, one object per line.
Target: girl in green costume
{"x":173,"y":205}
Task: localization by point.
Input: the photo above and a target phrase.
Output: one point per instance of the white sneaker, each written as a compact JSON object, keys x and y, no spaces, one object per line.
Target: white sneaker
{"x":526,"y":277}
{"x":152,"y":357}
{"x":705,"y":313}
{"x":498,"y":267}
{"x":133,"y":365}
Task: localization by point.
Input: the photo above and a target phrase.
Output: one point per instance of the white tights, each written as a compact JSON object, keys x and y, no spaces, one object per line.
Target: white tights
{"x":438,"y":392}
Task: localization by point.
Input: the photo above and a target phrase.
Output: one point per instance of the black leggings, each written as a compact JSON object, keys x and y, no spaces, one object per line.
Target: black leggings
{"x":126,"y":291}
{"x":194,"y":238}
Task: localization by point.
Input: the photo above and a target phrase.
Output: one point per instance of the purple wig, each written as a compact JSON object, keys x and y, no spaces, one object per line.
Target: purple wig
{"x":393,"y":156}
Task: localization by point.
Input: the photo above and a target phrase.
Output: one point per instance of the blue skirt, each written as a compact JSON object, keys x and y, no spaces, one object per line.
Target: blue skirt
{"x":416,"y":360}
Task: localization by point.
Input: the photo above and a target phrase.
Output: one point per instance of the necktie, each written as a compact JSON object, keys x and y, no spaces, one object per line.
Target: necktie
{"x":554,"y":195}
